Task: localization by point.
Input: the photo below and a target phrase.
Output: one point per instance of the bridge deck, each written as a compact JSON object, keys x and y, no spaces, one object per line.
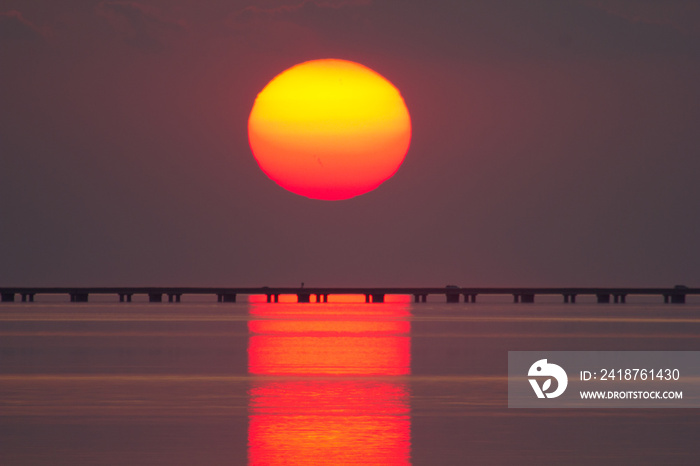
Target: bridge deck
{"x":372,"y":294}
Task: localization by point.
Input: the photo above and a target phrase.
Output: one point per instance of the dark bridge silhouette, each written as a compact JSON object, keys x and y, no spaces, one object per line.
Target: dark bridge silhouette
{"x":453,"y":294}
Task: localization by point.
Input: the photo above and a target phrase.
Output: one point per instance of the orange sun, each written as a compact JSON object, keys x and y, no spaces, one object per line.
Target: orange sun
{"x":329,"y":129}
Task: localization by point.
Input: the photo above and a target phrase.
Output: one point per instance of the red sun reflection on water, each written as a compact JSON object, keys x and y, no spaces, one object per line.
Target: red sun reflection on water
{"x":330,"y":388}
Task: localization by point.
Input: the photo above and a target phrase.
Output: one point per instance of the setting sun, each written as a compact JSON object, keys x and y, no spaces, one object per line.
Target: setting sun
{"x":329,"y":129}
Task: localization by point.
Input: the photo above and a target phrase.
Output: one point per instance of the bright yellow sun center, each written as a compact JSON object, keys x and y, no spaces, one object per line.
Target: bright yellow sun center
{"x":329,"y":129}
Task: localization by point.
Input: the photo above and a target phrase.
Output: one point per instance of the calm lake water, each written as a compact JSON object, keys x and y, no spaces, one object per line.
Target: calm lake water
{"x":203,"y":383}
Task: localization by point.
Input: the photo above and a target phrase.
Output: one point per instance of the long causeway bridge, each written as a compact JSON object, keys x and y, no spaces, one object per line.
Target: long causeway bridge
{"x":452,"y":294}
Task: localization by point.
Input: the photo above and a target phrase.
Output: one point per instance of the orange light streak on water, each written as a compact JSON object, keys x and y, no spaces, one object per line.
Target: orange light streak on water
{"x":329,"y":388}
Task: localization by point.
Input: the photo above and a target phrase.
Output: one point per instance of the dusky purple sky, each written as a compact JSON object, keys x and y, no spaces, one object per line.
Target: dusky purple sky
{"x":555,"y":143}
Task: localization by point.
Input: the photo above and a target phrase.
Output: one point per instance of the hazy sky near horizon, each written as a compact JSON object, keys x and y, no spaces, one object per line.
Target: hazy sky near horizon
{"x":555,"y":143}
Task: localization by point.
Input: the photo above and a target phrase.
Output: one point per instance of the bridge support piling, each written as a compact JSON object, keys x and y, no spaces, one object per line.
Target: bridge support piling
{"x":418,"y":298}
{"x":452,"y":297}
{"x":227,"y":298}
{"x":523,"y":297}
{"x":7,"y":297}
{"x":603,"y":298}
{"x":303,"y":297}
{"x":155,"y":297}
{"x":377,"y":298}
{"x":79,"y":297}
{"x":678,"y":298}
